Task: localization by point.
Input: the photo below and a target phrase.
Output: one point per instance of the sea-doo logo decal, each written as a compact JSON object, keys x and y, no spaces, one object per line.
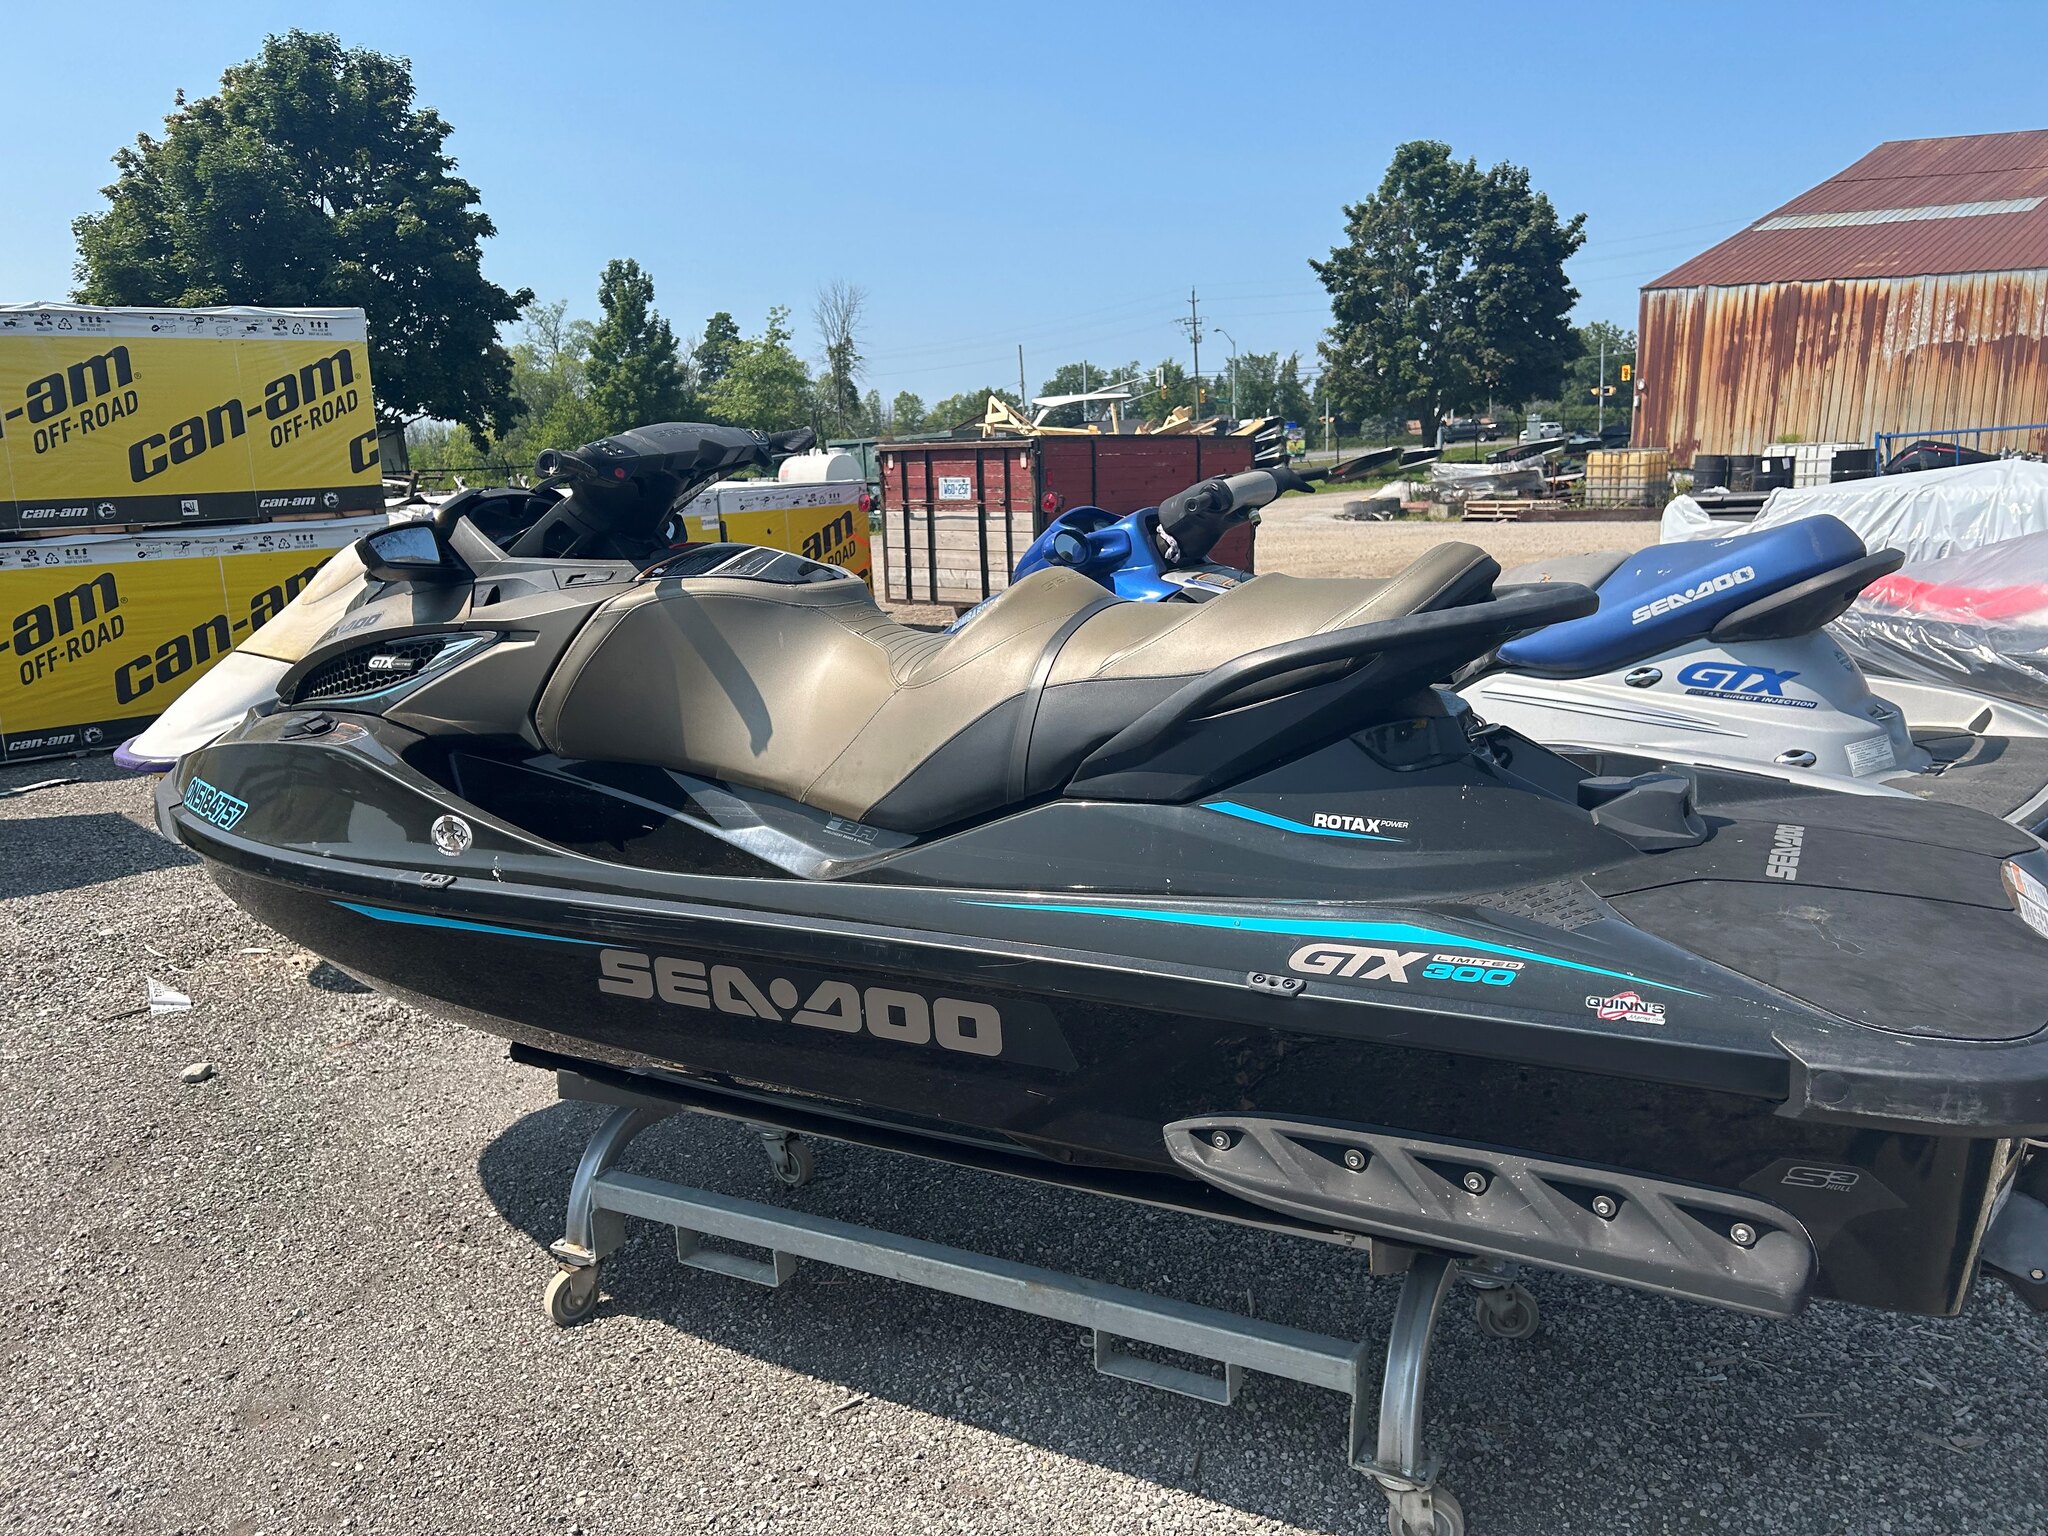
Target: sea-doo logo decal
{"x":1787,"y":843}
{"x":1748,"y":685}
{"x":216,"y":806}
{"x":1369,"y":825}
{"x":1630,"y":1007}
{"x":1367,"y":963}
{"x":1727,"y":581}
{"x":887,"y":1013}
{"x":1838,"y":1180}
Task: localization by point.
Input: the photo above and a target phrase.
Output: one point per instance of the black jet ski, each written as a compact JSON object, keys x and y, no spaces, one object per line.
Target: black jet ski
{"x":1227,"y":906}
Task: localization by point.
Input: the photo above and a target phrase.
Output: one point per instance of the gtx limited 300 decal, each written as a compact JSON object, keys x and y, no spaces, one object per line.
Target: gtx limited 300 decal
{"x":1746,"y":685}
{"x":1727,"y":581}
{"x":1395,"y":936}
{"x":1014,"y":1029}
{"x":1403,"y":965}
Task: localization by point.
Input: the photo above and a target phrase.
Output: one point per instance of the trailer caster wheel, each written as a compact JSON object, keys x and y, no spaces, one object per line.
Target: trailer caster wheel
{"x":791,"y":1160}
{"x":571,"y":1296}
{"x":1449,"y":1517}
{"x":1507,"y":1312}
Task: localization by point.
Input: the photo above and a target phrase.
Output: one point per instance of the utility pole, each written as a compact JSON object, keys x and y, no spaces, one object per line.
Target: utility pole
{"x":1023,"y":394}
{"x":1602,"y":419}
{"x":1233,"y":369}
{"x":1194,"y":329}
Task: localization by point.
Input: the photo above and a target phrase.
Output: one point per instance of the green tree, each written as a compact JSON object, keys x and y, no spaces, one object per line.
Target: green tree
{"x":714,"y":352}
{"x":906,"y":413}
{"x":550,"y":376}
{"x":1291,"y":398}
{"x":434,"y":445}
{"x":1166,"y":385}
{"x":1450,"y":289}
{"x":313,"y":179}
{"x":635,"y":369}
{"x":765,"y":384}
{"x":966,"y":408}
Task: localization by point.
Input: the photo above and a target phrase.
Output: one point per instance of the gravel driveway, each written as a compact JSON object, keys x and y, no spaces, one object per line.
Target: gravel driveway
{"x":304,"y":1296}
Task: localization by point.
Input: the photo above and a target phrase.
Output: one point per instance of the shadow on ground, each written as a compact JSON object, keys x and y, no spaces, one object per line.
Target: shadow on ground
{"x":40,"y":855}
{"x":1558,"y":1433}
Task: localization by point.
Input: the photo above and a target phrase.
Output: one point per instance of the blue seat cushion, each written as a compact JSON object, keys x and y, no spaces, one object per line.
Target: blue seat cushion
{"x":1669,"y":594}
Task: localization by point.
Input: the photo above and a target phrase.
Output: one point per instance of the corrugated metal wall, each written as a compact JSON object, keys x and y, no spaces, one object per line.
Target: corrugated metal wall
{"x":1733,"y":370}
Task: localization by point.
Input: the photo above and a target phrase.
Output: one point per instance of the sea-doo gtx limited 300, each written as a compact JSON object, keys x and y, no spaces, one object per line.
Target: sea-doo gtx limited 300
{"x":1711,"y":653}
{"x":1204,"y":893}
{"x":1227,"y":907}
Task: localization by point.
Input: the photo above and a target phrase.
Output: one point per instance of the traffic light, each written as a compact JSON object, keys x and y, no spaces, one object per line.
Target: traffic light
{"x":1626,"y":371}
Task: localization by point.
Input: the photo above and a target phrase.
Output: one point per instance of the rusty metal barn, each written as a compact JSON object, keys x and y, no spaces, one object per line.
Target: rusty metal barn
{"x":1908,"y":294}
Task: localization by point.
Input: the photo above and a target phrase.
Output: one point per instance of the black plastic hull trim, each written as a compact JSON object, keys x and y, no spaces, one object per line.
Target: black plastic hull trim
{"x":1677,"y":1239}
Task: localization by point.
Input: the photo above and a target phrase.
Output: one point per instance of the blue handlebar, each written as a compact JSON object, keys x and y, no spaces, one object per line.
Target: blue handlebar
{"x":1121,"y":553}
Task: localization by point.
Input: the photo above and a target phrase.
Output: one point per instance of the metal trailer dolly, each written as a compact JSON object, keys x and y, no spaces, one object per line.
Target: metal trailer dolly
{"x":1384,"y":1445}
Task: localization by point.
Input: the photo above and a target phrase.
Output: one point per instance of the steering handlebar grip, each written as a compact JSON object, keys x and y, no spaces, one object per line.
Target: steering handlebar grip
{"x":555,"y":462}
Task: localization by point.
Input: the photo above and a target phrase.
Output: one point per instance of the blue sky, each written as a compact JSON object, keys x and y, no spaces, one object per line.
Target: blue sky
{"x":1058,"y":176}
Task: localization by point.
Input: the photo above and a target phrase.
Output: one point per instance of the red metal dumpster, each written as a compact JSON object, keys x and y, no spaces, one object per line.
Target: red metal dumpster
{"x":956,"y":515}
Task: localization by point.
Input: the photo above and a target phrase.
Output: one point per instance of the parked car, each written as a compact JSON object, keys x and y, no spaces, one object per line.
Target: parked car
{"x":1469,"y":429}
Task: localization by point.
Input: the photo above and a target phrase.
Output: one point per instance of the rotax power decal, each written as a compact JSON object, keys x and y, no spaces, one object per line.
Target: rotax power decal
{"x":129,"y":416}
{"x":98,"y":637}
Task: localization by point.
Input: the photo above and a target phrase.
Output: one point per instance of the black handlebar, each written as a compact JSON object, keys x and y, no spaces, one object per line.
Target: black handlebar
{"x":622,"y":487}
{"x":1196,"y":518}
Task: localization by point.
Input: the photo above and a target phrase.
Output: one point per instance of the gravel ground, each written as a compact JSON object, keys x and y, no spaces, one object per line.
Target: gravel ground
{"x":1306,"y":536}
{"x":304,"y":1295}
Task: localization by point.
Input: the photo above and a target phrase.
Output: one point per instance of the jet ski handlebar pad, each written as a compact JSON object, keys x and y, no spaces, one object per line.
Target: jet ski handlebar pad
{"x":1806,"y":606}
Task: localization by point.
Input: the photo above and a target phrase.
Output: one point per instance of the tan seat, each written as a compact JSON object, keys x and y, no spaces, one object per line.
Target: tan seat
{"x":813,"y":692}
{"x":1587,"y":570}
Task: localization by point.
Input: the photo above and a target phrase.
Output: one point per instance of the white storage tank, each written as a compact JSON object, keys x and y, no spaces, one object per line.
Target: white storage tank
{"x":817,"y":467}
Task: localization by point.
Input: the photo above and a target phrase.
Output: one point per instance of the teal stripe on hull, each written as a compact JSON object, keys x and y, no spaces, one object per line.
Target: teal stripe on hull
{"x":459,"y":925}
{"x":1383,"y":933}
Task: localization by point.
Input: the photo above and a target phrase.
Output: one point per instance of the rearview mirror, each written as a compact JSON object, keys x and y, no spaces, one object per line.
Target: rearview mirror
{"x":1069,"y":548}
{"x":409,"y":552}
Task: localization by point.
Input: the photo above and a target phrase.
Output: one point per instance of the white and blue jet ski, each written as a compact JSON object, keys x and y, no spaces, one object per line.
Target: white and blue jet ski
{"x":1716,"y":653}
{"x":1713,"y":653}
